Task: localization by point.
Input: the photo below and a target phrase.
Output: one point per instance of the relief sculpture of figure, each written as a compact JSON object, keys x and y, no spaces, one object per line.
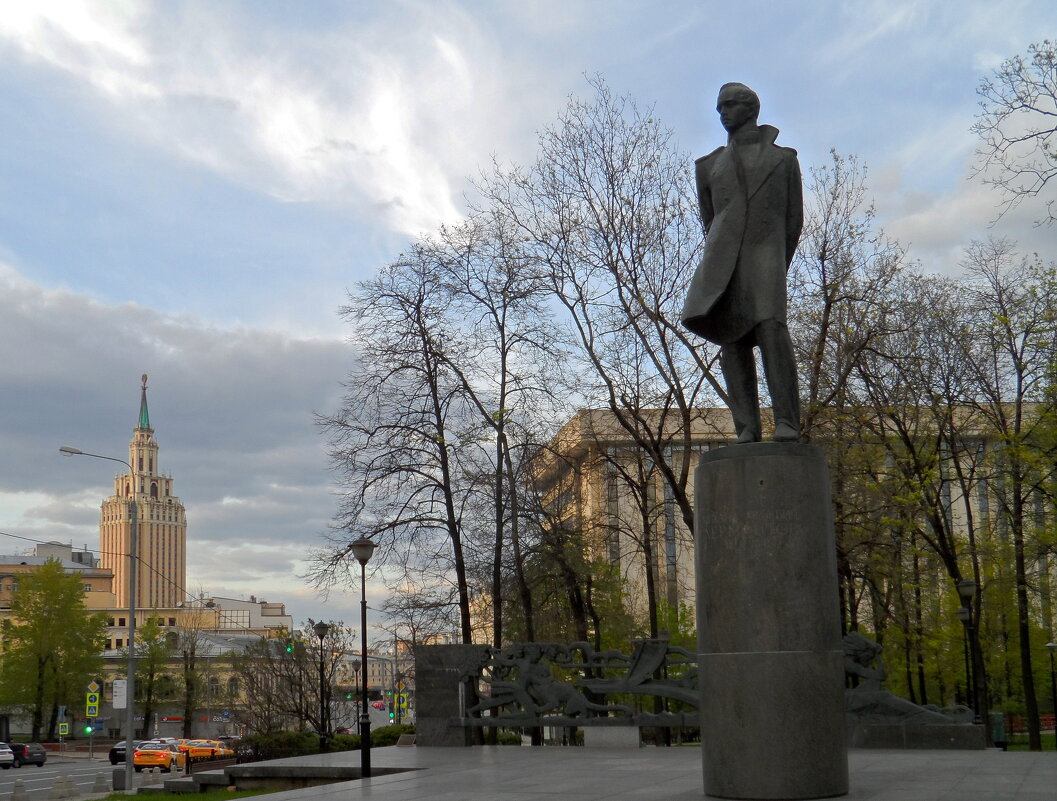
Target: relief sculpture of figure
{"x":751,"y":200}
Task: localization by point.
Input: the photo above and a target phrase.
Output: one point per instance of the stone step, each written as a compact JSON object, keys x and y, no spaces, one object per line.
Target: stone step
{"x":185,"y":784}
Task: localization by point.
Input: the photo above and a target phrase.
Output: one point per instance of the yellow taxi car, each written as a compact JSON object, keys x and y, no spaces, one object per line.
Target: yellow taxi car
{"x":158,"y":755}
{"x":202,"y":748}
{"x":223,"y":749}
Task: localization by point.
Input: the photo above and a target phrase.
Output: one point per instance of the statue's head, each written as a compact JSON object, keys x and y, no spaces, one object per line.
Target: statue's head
{"x":737,"y":105}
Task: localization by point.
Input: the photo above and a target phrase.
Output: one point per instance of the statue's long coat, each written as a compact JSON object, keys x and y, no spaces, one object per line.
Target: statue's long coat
{"x":753,"y":223}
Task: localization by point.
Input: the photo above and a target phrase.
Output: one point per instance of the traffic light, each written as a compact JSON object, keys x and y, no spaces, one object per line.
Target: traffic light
{"x":289,"y":647}
{"x":392,"y":715}
{"x":88,"y":729}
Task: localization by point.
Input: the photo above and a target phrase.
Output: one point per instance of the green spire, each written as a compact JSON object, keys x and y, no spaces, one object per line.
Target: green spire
{"x":144,"y":418}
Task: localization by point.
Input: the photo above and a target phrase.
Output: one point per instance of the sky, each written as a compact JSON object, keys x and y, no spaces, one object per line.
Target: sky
{"x":189,"y":189}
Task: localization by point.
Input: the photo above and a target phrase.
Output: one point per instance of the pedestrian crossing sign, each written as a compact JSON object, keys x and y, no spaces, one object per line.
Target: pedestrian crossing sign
{"x":91,"y":705}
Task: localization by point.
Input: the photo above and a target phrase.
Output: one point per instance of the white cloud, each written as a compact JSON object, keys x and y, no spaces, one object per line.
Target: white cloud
{"x":93,"y":40}
{"x":232,"y":411}
{"x":389,"y":114}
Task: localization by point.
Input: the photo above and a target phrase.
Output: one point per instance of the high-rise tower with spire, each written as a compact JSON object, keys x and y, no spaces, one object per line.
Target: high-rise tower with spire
{"x":162,"y":525}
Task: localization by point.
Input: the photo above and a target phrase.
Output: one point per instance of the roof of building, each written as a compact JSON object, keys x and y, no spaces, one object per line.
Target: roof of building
{"x":39,"y":561}
{"x":209,"y":644}
{"x":144,"y":417}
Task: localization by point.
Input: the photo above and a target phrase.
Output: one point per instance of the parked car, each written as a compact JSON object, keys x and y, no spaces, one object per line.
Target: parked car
{"x":223,"y":749}
{"x":29,"y":754}
{"x":199,"y":748}
{"x":151,"y":754}
{"x":7,"y":756}
{"x":117,"y":751}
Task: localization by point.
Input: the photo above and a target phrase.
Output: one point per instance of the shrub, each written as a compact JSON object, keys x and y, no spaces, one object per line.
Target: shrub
{"x":388,"y":735}
{"x":278,"y":744}
{"x":345,"y":742}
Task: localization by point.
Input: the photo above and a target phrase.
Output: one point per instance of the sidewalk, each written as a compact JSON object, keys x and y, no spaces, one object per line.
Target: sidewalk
{"x":510,"y":773}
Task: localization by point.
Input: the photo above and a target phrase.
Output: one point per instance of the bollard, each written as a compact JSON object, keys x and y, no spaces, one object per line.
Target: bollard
{"x":69,"y":790}
{"x":99,"y":785}
{"x":18,"y":792}
{"x":61,"y":788}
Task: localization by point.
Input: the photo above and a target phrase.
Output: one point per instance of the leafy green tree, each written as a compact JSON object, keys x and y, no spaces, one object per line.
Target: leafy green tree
{"x":52,"y":646}
{"x":154,"y":682}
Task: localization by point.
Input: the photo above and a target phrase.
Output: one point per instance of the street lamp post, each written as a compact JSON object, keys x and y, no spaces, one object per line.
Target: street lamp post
{"x":967,"y":591}
{"x":322,"y":629}
{"x":1052,"y":648}
{"x":356,"y":694}
{"x":130,"y":685}
{"x":363,"y":549}
{"x":963,"y":616}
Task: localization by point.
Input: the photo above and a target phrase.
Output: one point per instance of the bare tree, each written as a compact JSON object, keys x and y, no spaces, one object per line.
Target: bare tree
{"x":606,"y":213}
{"x":506,"y":361}
{"x":419,"y":614}
{"x":840,"y":290}
{"x":280,"y":676}
{"x":1017,"y":125}
{"x":397,"y":440}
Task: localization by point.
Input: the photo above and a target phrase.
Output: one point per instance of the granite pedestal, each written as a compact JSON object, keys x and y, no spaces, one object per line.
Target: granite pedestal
{"x":441,"y":692}
{"x":770,"y":655}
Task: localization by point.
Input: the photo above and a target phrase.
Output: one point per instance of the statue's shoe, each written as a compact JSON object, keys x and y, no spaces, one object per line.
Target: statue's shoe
{"x":783,"y":432}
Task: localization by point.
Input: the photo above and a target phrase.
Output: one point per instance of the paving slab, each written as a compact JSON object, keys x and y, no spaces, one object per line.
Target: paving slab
{"x":512,"y":773}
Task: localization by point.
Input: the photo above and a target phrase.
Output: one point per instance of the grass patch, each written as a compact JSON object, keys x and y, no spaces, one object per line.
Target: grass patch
{"x":211,"y":795}
{"x":1019,"y":742}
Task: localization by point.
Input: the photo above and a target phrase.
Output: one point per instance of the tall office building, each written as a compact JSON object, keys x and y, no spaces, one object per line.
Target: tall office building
{"x":162,"y":526}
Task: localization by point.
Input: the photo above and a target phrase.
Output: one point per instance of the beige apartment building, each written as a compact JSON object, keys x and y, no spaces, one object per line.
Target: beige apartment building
{"x":161,"y":542}
{"x":595,"y":478}
{"x":97,"y":581}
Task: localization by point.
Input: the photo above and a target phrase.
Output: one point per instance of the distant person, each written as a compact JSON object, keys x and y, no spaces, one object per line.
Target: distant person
{"x":751,"y":198}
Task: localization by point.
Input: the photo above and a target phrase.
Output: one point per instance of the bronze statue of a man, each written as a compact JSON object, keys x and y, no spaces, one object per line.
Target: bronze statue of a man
{"x":752,"y":205}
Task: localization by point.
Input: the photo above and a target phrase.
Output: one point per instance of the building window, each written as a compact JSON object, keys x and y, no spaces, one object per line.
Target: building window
{"x":109,"y":645}
{"x":118,"y":642}
{"x":172,"y":621}
{"x":233,"y":686}
{"x":121,"y":621}
{"x":110,"y":621}
{"x":87,"y":587}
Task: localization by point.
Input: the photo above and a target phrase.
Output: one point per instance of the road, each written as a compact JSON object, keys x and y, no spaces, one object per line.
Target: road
{"x":39,"y":781}
{"x":82,"y":771}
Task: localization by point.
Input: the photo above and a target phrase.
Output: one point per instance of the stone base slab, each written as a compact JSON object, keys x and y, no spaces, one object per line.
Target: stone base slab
{"x":894,"y":735}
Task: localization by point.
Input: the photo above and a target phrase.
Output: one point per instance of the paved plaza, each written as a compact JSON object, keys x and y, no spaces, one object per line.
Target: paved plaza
{"x":510,"y":773}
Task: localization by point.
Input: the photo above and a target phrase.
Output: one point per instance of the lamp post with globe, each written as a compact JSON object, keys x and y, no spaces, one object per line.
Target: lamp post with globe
{"x":1052,"y":648}
{"x":321,"y":630}
{"x":362,"y":550}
